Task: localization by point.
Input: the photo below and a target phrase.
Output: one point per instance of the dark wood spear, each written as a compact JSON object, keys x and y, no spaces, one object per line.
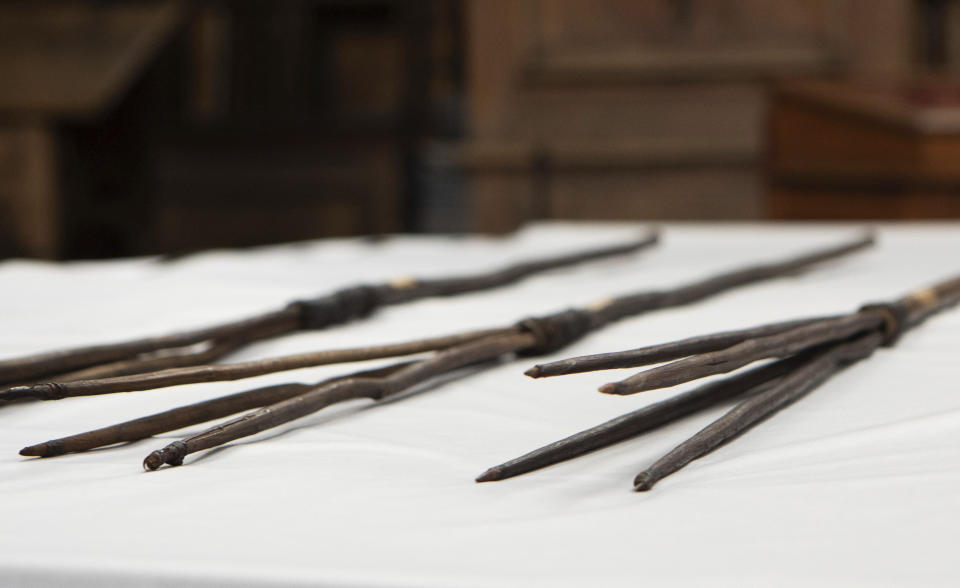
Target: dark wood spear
{"x":237,"y":371}
{"x":530,"y":336}
{"x":167,"y":351}
{"x":813,"y":351}
{"x":608,"y":311}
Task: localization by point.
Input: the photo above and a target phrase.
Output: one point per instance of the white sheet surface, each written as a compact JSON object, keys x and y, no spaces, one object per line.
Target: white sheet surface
{"x":857,"y":484}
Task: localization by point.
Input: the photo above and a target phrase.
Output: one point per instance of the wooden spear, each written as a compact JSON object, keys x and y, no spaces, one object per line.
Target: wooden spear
{"x":808,"y":352}
{"x":181,"y":349}
{"x":531,"y":336}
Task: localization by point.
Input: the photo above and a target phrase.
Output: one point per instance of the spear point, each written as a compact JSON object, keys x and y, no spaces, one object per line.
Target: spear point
{"x":492,"y":475}
{"x":644,"y":481}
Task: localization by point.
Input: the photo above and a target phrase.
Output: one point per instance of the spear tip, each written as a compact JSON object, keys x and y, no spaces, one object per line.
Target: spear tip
{"x":153,"y":461}
{"x":492,"y":475}
{"x":533,"y":372}
{"x":616,"y":388}
{"x":38,"y":450}
{"x":644,"y":481}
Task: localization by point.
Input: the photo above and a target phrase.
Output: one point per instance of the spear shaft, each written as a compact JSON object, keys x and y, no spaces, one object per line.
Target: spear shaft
{"x":317,"y":313}
{"x":237,"y":371}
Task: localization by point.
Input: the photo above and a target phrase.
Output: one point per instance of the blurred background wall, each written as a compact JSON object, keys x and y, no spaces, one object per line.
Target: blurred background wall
{"x":132,"y":127}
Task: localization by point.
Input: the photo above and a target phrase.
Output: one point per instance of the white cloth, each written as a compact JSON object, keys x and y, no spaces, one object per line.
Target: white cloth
{"x":856,"y":484}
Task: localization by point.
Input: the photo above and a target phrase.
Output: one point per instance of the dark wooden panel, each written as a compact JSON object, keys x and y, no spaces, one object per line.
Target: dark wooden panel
{"x":884,"y":149}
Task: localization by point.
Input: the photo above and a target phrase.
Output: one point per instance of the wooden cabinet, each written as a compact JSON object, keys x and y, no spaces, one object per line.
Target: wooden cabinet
{"x":883,"y":148}
{"x":643,"y":108}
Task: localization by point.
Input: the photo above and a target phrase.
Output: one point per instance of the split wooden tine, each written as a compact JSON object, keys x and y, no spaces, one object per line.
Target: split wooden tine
{"x":643,"y":420}
{"x":186,"y":416}
{"x":659,"y":353}
{"x":374,"y":388}
{"x":736,"y":356}
{"x":758,"y":407}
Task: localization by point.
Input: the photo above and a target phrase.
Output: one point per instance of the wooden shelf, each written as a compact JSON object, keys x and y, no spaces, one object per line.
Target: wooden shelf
{"x":865,"y":149}
{"x":524,"y":155}
{"x":677,"y":63}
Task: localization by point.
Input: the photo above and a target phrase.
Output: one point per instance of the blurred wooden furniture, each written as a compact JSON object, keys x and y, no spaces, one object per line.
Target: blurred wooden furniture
{"x":63,"y":62}
{"x":868,"y":148}
{"x":645,"y":108}
{"x":299,"y":121}
{"x":131,"y":127}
